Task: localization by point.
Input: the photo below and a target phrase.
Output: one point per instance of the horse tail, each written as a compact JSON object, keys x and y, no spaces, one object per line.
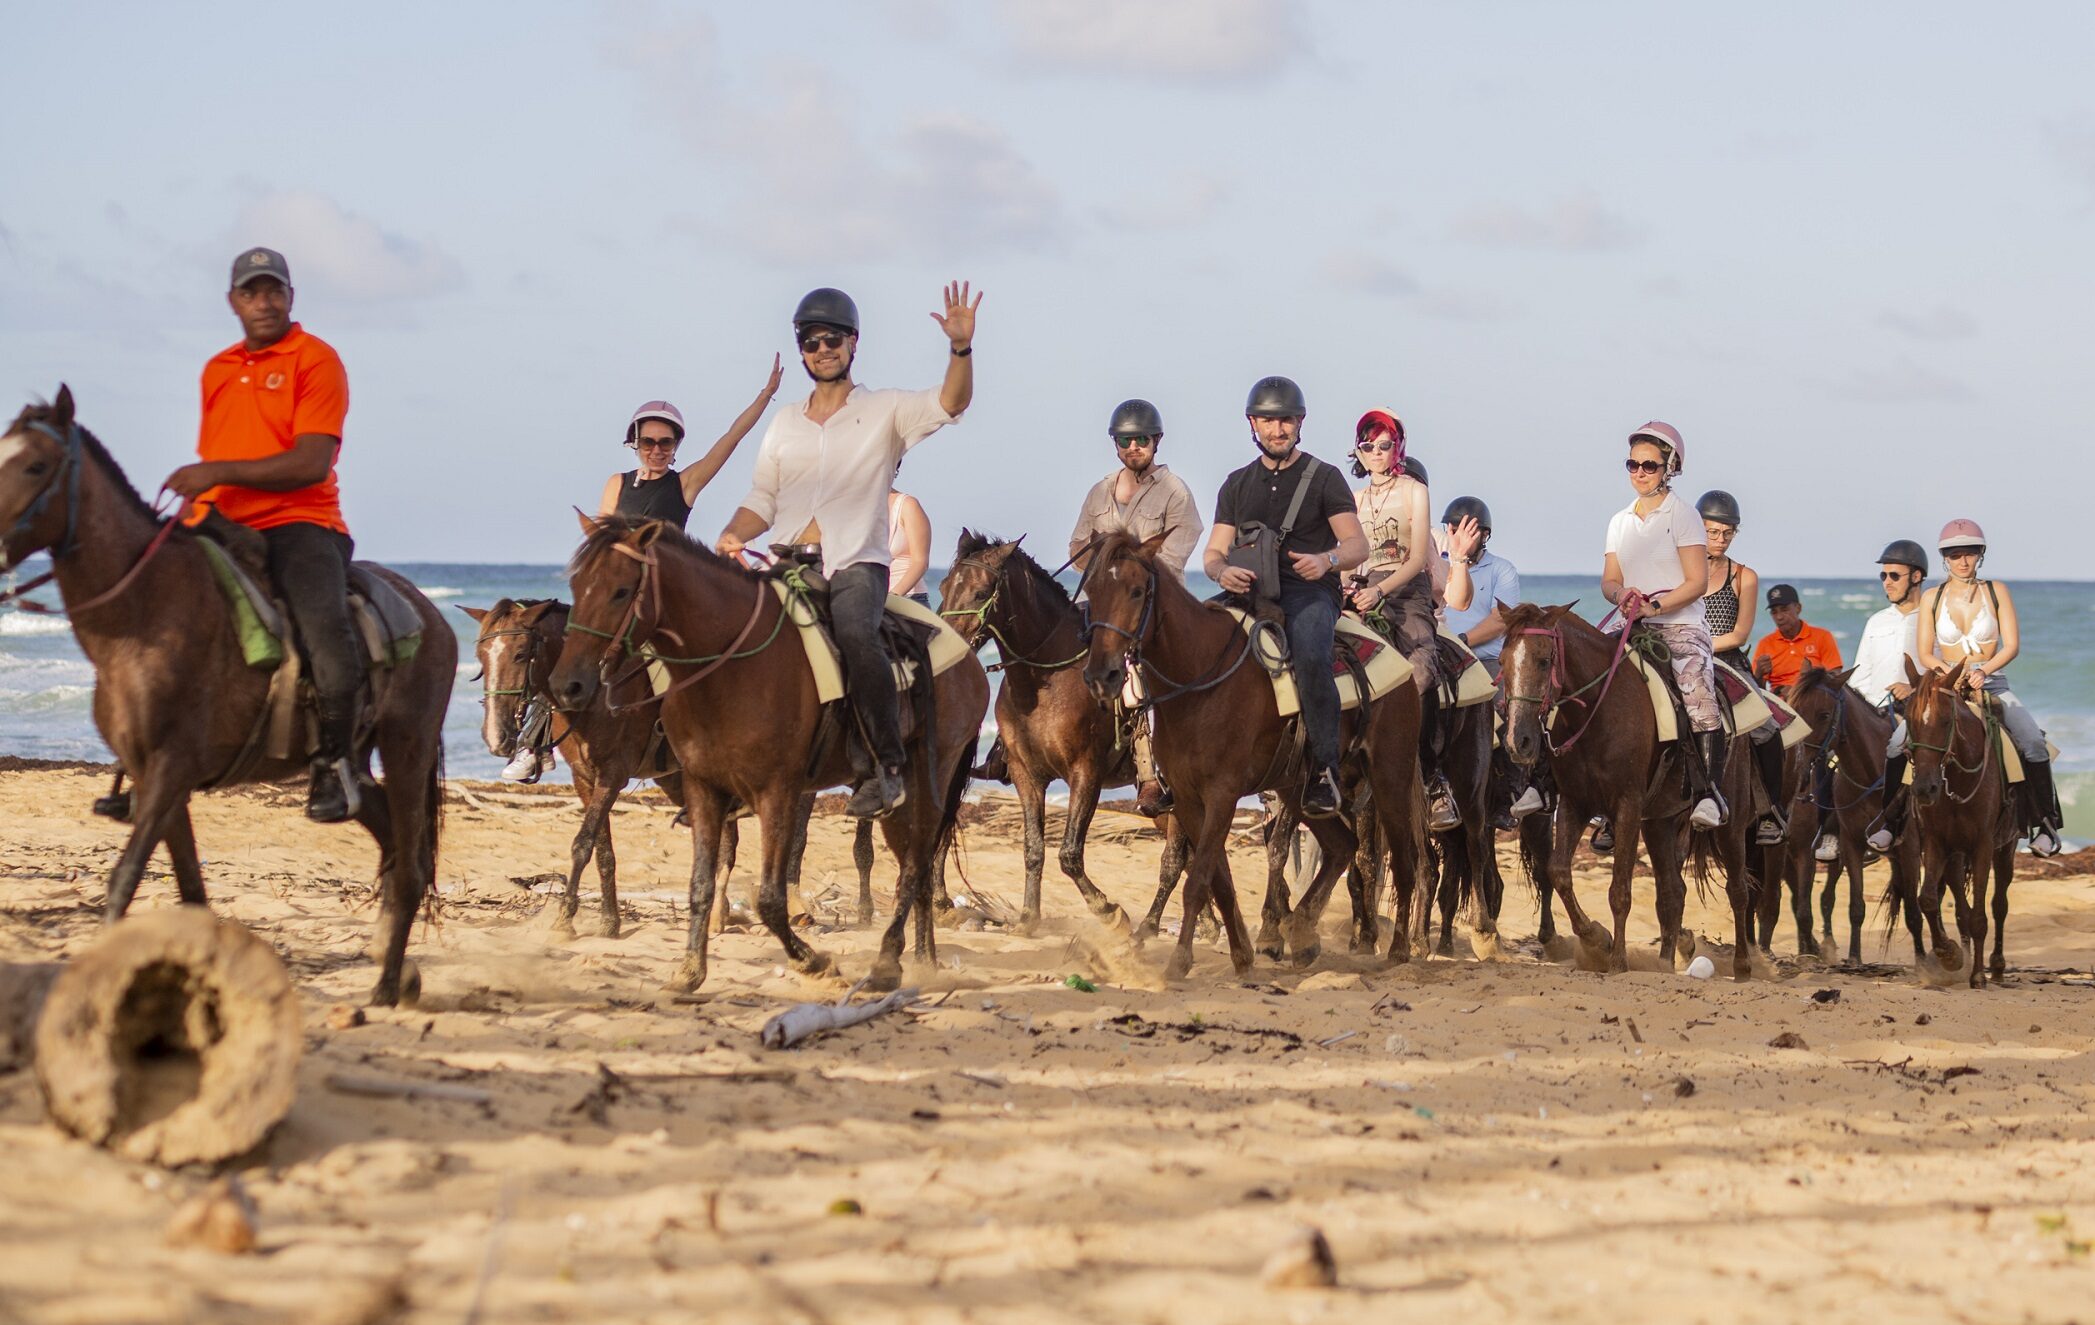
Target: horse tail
{"x":1534,"y":833}
{"x":1704,"y":861}
{"x":948,"y":833}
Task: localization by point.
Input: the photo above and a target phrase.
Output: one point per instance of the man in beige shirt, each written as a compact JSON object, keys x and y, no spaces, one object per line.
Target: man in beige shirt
{"x":1146,"y":499}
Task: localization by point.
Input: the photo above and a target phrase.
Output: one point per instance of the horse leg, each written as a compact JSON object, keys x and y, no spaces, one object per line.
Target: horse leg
{"x":1273,"y":912}
{"x":706,"y":809}
{"x":1831,"y":892}
{"x":1628,"y":824}
{"x":1803,"y":875}
{"x":1670,"y":888}
{"x":154,"y":800}
{"x":408,"y":805}
{"x":2003,"y":871}
{"x":1454,"y":861}
{"x":796,"y":847}
{"x":779,"y":812}
{"x":1032,"y":811}
{"x":1212,"y":843}
{"x":1850,"y":863}
{"x":609,"y":925}
{"x":1169,"y":869}
{"x":1981,"y":878}
{"x":579,"y":852}
{"x":1076,"y":826}
{"x":862,"y":861}
{"x":1223,"y":891}
{"x":181,"y":853}
{"x":730,"y":847}
{"x":1337,"y":843}
{"x":1948,"y":954}
{"x":590,"y":842}
{"x":911,"y":840}
{"x":1364,"y":879}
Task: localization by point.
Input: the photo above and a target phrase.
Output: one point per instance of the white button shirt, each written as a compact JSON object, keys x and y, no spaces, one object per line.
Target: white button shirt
{"x":1888,"y":640}
{"x":1647,"y":548}
{"x":837,"y":474}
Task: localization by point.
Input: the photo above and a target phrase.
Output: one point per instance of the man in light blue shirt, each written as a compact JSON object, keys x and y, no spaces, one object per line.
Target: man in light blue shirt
{"x":1494,"y":586}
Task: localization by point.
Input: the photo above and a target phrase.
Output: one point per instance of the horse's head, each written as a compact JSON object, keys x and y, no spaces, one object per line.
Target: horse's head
{"x":970,"y":591}
{"x":1931,"y":727}
{"x":517,"y":646}
{"x":1816,"y":697}
{"x":1531,"y":677}
{"x":36,"y":452}
{"x":616,"y":604}
{"x":1121,"y":583}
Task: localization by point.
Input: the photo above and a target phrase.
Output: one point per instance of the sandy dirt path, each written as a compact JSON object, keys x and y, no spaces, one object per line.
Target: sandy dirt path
{"x":1489,"y":1141}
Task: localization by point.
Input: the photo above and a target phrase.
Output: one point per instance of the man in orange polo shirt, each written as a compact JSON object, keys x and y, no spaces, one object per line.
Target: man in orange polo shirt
{"x":1781,"y":656}
{"x":272,"y":425}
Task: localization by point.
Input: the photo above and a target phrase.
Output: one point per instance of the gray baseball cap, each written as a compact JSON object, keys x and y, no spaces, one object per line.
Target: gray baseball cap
{"x":259,"y":262}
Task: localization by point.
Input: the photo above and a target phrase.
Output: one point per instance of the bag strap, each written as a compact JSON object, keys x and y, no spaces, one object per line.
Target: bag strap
{"x":1287,"y":522}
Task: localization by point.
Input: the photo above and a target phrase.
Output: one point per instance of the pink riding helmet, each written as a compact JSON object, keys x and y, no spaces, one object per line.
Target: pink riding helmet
{"x":1961,"y":533}
{"x":655,"y":409}
{"x":1382,"y":420}
{"x":1667,"y":438}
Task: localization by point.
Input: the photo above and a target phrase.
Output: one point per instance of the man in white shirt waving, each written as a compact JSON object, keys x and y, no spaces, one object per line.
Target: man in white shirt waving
{"x":1879,"y":675}
{"x":823,"y":473}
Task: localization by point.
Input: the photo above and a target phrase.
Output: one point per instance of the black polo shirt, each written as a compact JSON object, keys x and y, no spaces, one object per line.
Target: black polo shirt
{"x":1256,"y":493}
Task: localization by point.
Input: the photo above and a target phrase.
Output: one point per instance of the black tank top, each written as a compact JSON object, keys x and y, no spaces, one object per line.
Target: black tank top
{"x":1721,"y":605}
{"x":656,"y":499}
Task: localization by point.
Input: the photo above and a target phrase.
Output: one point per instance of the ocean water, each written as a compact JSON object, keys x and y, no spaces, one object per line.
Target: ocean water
{"x":46,"y":685}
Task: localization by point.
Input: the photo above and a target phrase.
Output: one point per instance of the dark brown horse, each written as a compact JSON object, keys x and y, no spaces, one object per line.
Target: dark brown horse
{"x":1220,"y":738}
{"x":1846,"y":751}
{"x":1051,"y":725}
{"x":742,"y":715}
{"x":1565,"y":683}
{"x":1964,"y":811}
{"x":175,"y":699}
{"x":605,"y":748}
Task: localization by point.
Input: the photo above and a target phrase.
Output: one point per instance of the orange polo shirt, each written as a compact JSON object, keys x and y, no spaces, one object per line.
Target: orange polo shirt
{"x":255,"y":403}
{"x":1813,"y":644}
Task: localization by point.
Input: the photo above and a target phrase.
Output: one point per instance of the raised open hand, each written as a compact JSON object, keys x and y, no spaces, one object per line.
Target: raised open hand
{"x":958,"y":321}
{"x":1464,"y":538}
{"x":771,"y":382}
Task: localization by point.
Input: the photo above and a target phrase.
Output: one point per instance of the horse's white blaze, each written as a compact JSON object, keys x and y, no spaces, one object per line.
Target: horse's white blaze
{"x":11,"y":446}
{"x":491,"y":712}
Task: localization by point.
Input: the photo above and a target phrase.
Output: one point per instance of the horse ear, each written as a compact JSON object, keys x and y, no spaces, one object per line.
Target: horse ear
{"x":62,"y":407}
{"x":1955,"y":677}
{"x":970,"y":542}
{"x":648,"y":533}
{"x":1154,"y":543}
{"x":1018,"y":542}
{"x":1840,"y":678}
{"x":533,"y":613}
{"x":590,"y":524}
{"x":477,"y":613}
{"x":1082,"y":559}
{"x":1912,"y":672}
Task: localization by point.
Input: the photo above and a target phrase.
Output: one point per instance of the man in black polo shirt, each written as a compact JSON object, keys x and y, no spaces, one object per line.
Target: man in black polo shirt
{"x":1324,"y":540}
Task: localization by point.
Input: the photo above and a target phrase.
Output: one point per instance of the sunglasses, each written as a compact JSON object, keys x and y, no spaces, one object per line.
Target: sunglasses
{"x":1130,"y":443}
{"x":1383,"y":447}
{"x":1889,"y":576}
{"x":662,"y":443}
{"x":1645,"y":466}
{"x":1959,"y":553}
{"x":823,"y":340}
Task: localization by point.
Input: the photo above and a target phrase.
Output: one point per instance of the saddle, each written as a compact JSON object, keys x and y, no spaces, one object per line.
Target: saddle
{"x":1365,"y":665}
{"x":1746,"y":705}
{"x":1465,"y":680}
{"x":2010,"y":757}
{"x":913,"y":633}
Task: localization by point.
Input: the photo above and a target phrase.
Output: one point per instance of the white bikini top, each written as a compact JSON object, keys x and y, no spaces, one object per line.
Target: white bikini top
{"x":1984,"y":629}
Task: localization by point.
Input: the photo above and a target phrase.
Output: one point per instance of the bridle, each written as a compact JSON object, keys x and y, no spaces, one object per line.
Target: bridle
{"x":1141,"y":632}
{"x":69,"y":465}
{"x":1554,"y":694}
{"x":1988,"y":738}
{"x":1008,"y":654}
{"x":1825,"y":756}
{"x":631,"y":640}
{"x":528,"y":657}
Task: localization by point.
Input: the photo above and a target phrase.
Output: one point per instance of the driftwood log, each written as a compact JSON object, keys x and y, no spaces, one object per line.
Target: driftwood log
{"x":173,"y":1038}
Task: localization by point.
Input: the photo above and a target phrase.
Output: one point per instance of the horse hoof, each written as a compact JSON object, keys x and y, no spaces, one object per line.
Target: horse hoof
{"x":1145,"y":931}
{"x":405,"y":994}
{"x":816,"y":963}
{"x":1306,"y":955}
{"x":1028,"y":924}
{"x":690,"y":974}
{"x":1113,"y":918}
{"x":1950,"y":956}
{"x":1559,"y":948}
{"x":1362,"y":943}
{"x":865,"y":917}
{"x":884,"y":978}
{"x":610,"y":927}
{"x":1399,"y":954}
{"x":1446,"y":946}
{"x":1484,"y":945}
{"x":1180,"y":964}
{"x":1270,"y":948}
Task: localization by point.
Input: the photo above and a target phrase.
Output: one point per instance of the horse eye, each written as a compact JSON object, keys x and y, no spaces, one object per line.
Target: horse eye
{"x":620,"y":595}
{"x":36,"y":469}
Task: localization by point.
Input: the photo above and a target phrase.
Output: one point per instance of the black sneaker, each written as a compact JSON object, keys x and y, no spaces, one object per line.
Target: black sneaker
{"x":1603,"y":836}
{"x":1769,"y":832}
{"x":1320,"y":800}
{"x":332,"y":796}
{"x":878,"y":796}
{"x":1152,"y":799}
{"x":995,"y":765}
{"x":1441,"y":814}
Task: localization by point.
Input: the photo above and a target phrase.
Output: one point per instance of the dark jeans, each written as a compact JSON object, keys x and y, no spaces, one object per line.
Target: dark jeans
{"x":1312,"y":616}
{"x":310,"y":565}
{"x":857,"y":603}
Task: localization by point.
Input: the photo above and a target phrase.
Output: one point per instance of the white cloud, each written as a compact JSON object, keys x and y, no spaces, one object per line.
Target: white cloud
{"x":1179,"y":203}
{"x":1362,"y":272}
{"x":1576,"y":225}
{"x":1903,"y":383}
{"x":336,"y":252}
{"x":1939,"y":323}
{"x":1187,"y":40}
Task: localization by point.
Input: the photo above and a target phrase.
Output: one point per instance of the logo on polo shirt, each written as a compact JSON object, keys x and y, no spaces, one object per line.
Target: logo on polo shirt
{"x":273,"y":381}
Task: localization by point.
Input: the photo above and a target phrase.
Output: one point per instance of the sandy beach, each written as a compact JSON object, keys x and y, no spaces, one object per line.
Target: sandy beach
{"x":1495,"y":1141}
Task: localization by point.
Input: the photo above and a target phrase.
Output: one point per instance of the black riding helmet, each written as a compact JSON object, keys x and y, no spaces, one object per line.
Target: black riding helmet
{"x":1470,"y":507}
{"x":1904,"y":552}
{"x":827,"y":308}
{"x":1719,"y":507}
{"x":1417,"y":469}
{"x":1275,"y":398}
{"x":1135,"y":418}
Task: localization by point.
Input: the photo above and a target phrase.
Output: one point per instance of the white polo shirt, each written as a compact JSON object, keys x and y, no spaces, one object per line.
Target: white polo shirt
{"x":1647,"y":547}
{"x":837,"y":474}
{"x":1888,"y":640}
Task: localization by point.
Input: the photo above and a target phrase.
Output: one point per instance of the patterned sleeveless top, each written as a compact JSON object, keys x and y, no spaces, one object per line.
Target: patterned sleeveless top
{"x":1721,"y":605}
{"x":1385,"y":517}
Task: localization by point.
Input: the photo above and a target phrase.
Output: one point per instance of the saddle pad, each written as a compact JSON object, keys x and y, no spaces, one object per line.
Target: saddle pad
{"x":389,"y":623}
{"x":1386,"y":668}
{"x":947,"y":646}
{"x":1474,"y":685}
{"x":255,"y":619}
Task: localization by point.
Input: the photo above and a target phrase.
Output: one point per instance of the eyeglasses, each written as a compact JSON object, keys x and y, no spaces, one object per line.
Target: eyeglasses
{"x":663,"y":443}
{"x":1383,"y":447}
{"x":1645,"y":466}
{"x":1130,"y":443}
{"x":824,"y":340}
{"x":1889,"y":576}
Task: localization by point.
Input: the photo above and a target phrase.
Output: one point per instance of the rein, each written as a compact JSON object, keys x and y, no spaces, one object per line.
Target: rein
{"x":69,"y":473}
{"x":1989,"y":737}
{"x":1550,"y":699}
{"x":1009,"y":655}
{"x":1825,"y":759}
{"x":530,"y":661}
{"x":1142,"y":628}
{"x":624,"y":639}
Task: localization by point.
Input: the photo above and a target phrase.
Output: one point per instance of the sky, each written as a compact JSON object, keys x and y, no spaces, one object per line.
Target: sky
{"x":1849,"y":250}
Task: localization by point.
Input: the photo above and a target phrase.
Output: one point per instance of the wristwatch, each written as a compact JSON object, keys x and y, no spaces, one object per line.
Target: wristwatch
{"x":1332,"y":556}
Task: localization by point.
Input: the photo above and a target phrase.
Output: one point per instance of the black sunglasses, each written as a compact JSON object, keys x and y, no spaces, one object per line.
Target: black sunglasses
{"x":1898,"y":574}
{"x":1645,"y":466}
{"x":826,"y":340}
{"x":1129,"y":443}
{"x":670,"y":442}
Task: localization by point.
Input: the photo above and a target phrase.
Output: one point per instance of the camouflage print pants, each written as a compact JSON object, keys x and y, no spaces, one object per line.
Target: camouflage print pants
{"x":1694,"y":669}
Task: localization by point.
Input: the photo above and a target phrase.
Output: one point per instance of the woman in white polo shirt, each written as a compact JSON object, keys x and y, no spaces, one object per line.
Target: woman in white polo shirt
{"x":1656,"y":570}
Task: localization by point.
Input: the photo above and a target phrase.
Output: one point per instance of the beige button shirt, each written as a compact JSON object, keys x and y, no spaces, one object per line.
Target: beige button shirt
{"x":836,"y":475}
{"x":1162,"y":502}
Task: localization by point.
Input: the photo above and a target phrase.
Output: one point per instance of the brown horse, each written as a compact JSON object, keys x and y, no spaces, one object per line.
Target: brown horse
{"x":1964,"y":810}
{"x":742,"y":715}
{"x":1565,"y":683}
{"x":1846,"y":751}
{"x":606,"y":749}
{"x":175,"y":699}
{"x":1051,"y":725}
{"x":1220,"y":738}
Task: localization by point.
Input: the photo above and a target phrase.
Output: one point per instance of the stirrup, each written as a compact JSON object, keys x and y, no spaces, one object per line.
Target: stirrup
{"x":1529,"y":802}
{"x":2044,"y":843}
{"x":1709,"y":812}
{"x":1880,"y":840}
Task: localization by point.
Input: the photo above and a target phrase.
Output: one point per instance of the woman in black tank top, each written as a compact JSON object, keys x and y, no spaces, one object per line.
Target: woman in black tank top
{"x":657,"y":489}
{"x":1730,"y":606}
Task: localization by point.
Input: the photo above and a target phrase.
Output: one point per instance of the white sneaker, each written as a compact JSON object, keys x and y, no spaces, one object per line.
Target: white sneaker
{"x":524,"y":768}
{"x":1880,"y":841}
{"x":2044,"y":842}
{"x":1708,"y":814}
{"x":1529,"y":802}
{"x":1827,"y":851}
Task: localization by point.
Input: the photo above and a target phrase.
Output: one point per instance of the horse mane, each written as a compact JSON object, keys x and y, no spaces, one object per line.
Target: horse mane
{"x":1539,"y":616}
{"x":92,"y":445}
{"x":1114,"y":542}
{"x":611,"y":529}
{"x":1038,"y":573}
